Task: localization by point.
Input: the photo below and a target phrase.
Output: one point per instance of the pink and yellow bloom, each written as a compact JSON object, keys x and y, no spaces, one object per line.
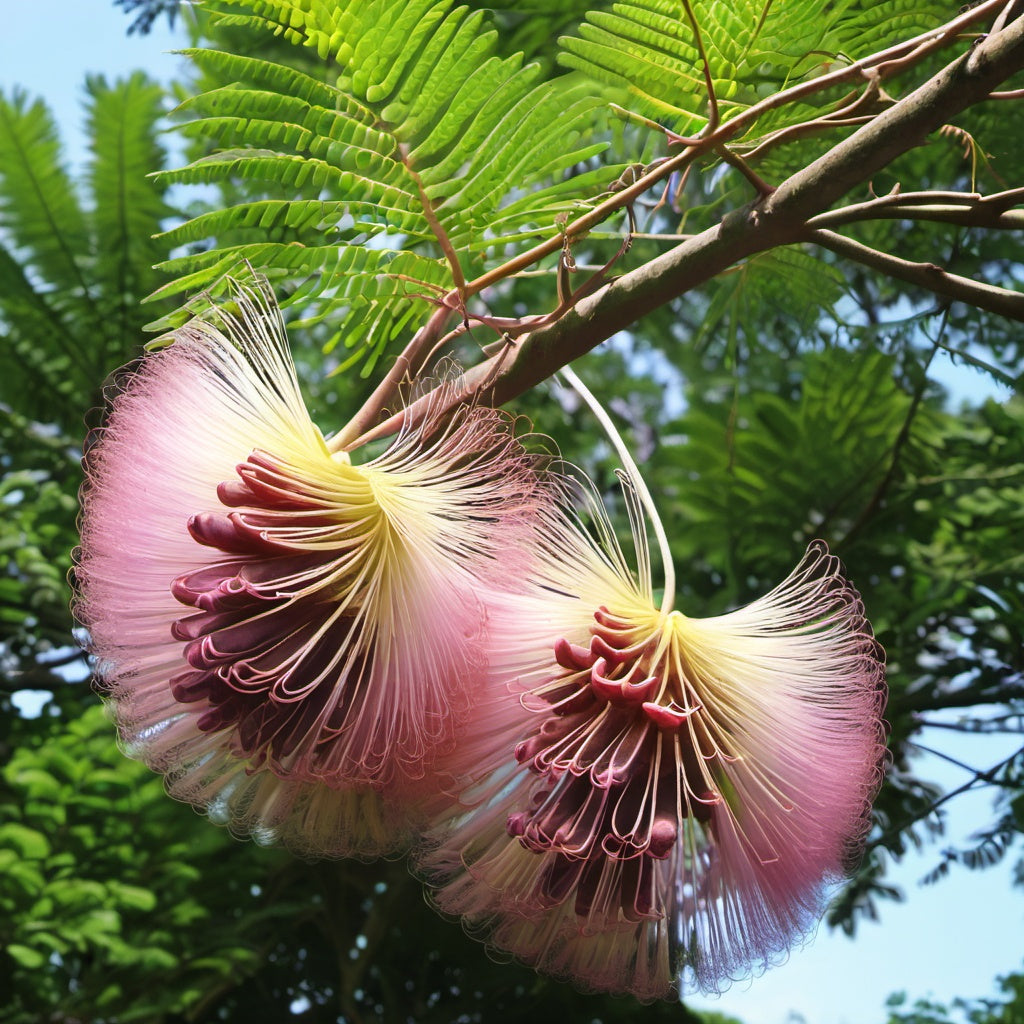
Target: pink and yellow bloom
{"x":327,"y":653}
{"x":290,"y":638}
{"x":652,"y":802}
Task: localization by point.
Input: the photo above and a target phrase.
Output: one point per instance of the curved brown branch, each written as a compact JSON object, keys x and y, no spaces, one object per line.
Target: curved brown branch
{"x":966,"y":209}
{"x":402,"y":370}
{"x":778,"y":219}
{"x":929,"y":276}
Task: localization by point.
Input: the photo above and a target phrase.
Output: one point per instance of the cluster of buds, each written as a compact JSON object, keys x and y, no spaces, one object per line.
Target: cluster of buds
{"x":443,"y":650}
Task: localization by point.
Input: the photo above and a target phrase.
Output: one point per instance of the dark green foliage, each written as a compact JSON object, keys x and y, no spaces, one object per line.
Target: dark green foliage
{"x":75,"y":265}
{"x":101,"y":891}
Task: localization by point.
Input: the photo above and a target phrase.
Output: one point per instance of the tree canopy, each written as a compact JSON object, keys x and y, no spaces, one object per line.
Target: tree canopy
{"x":757,"y":230}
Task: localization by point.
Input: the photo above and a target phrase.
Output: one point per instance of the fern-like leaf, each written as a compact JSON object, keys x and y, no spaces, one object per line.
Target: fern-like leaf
{"x":650,"y":52}
{"x":39,"y":212}
{"x":784,"y":287}
{"x":126,"y":203}
{"x":74,"y":263}
{"x":418,"y":162}
{"x":40,"y":362}
{"x":849,"y":412}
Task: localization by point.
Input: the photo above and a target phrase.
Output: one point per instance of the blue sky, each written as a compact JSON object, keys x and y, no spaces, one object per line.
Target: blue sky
{"x":49,"y":46}
{"x":947,"y":940}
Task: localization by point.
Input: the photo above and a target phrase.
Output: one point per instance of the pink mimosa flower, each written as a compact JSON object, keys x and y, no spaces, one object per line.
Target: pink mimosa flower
{"x":652,"y":802}
{"x":292,"y":639}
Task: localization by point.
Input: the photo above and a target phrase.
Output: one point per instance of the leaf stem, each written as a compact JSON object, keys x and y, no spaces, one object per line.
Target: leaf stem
{"x":458,"y":278}
{"x":714,"y":116}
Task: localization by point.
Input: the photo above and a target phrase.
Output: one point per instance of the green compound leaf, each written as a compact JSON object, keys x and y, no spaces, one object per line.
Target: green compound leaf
{"x":647,"y":51}
{"x":412,"y":163}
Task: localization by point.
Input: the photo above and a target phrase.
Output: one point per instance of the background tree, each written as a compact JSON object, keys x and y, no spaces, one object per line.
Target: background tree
{"x":75,"y":265}
{"x":1008,"y":1010}
{"x":777,"y":380}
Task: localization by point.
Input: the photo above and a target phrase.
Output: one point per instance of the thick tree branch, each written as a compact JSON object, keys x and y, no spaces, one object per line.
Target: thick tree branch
{"x":778,"y":219}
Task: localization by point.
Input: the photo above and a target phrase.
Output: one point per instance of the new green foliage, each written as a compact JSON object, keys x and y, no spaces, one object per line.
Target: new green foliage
{"x":405,"y":168}
{"x":654,"y":52}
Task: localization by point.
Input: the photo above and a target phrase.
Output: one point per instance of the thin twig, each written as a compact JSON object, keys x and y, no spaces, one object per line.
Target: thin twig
{"x":844,"y":116}
{"x":929,"y":276}
{"x":761,"y":187}
{"x":969,"y":209}
{"x":987,"y":777}
{"x":1009,"y":724}
{"x":945,"y":757}
{"x":713,"y":113}
{"x":965,"y":697}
